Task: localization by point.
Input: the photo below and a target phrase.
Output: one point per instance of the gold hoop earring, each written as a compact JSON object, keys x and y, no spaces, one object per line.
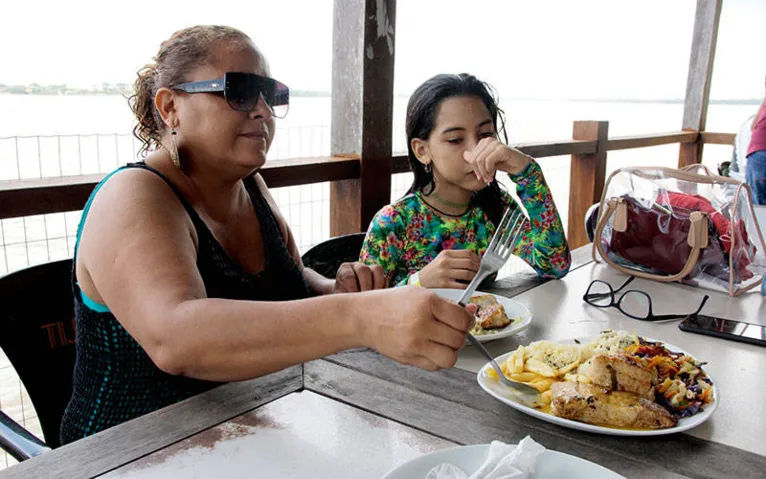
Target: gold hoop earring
{"x":174,"y":149}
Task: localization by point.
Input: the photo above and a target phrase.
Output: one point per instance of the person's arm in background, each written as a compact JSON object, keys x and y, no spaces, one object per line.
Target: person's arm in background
{"x":758,"y":115}
{"x":543,"y":244}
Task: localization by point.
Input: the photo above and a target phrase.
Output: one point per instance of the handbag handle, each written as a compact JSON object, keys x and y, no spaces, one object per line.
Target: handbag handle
{"x":697,"y":239}
{"x":697,"y":166}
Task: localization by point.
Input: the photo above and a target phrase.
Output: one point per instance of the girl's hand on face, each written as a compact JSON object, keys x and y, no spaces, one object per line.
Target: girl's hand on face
{"x":357,"y":277}
{"x":452,"y":268}
{"x":491,"y":155}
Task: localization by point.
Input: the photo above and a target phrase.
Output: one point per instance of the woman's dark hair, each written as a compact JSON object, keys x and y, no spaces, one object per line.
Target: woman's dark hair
{"x":180,"y":54}
{"x":422,"y":110}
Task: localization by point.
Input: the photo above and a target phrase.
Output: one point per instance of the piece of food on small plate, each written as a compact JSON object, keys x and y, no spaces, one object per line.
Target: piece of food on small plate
{"x":519,"y":317}
{"x":596,"y":405}
{"x":490,"y":315}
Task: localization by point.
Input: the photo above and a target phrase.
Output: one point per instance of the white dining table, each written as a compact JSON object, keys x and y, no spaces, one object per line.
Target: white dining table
{"x":738,"y":369}
{"x":304,"y":435}
{"x":358,"y":414}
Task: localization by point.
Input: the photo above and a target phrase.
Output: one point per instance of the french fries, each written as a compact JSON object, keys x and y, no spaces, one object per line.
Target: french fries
{"x":541,"y":364}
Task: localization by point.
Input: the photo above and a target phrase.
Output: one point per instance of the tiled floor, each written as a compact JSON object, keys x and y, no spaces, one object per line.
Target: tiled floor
{"x":14,"y":401}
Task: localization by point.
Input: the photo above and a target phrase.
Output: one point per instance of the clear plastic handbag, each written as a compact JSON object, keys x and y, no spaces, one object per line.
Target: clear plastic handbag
{"x":671,"y":224}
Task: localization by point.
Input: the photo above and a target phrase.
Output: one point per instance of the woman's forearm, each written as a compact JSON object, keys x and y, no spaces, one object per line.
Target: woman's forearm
{"x":225,"y":340}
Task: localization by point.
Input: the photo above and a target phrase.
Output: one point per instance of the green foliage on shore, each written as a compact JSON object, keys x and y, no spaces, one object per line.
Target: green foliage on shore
{"x":106,"y":89}
{"x":125,"y":89}
{"x":37,"y":89}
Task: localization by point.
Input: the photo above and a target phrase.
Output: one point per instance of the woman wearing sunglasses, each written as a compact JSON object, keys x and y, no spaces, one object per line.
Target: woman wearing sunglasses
{"x":187,"y":275}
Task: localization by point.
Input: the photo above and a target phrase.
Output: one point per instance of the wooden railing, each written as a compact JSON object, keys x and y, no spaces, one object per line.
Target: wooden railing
{"x":717,"y":138}
{"x":30,"y":197}
{"x":588,"y":157}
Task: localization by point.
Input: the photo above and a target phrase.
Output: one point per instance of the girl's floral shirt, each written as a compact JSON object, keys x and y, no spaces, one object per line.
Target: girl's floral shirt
{"x":407,"y":235}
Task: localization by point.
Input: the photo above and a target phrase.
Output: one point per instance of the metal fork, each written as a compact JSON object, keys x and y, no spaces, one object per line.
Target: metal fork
{"x":497,"y":254}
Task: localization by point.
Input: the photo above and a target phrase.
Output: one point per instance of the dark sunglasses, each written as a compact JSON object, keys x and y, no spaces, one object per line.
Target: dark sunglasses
{"x":242,"y":91}
{"x":632,"y":303}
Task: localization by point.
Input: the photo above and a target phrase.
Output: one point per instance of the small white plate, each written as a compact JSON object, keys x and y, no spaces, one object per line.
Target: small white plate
{"x":500,"y":393}
{"x":519,"y":314}
{"x":550,"y":464}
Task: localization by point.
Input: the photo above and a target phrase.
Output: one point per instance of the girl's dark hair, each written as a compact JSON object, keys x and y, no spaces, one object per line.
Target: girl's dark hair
{"x":180,"y":54}
{"x":422,"y":110}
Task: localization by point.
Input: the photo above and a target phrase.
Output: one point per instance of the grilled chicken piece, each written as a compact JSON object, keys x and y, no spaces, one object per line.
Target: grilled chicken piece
{"x":595,"y":405}
{"x":619,"y":373}
{"x":491,"y":314}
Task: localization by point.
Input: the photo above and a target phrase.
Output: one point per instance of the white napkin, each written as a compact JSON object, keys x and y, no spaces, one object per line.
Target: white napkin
{"x":504,"y":461}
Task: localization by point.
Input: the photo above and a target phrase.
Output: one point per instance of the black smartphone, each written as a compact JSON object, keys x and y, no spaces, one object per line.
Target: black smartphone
{"x":725,"y":328}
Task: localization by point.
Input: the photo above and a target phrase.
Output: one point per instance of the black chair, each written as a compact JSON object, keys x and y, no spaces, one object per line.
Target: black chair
{"x":591,"y":220}
{"x":37,"y":334}
{"x":326,"y":257}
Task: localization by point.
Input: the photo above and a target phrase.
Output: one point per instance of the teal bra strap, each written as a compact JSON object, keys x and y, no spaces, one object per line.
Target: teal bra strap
{"x":92,"y":305}
{"x":97,"y":307}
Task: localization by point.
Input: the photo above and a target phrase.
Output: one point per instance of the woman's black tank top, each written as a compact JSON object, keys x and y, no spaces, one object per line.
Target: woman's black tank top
{"x":114,"y":378}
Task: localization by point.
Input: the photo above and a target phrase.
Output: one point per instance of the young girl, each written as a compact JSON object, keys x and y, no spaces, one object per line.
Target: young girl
{"x":435,"y":235}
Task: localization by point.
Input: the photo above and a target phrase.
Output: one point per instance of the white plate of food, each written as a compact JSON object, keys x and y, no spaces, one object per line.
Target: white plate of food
{"x":550,"y":464}
{"x":498,"y":317}
{"x":626,"y":400}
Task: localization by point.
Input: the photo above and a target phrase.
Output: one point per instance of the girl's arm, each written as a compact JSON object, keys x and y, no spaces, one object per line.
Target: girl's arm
{"x":543,"y":243}
{"x":384,"y":243}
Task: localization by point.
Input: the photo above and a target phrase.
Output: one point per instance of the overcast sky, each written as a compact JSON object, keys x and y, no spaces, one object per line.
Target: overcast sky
{"x":527,"y":49}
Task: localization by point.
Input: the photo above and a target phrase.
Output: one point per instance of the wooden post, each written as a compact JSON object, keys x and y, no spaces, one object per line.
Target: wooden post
{"x":700,"y":75}
{"x":586,"y":178}
{"x":362,"y":109}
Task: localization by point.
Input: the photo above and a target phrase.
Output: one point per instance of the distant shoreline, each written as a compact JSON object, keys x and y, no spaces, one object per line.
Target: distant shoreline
{"x":60,"y":90}
{"x":725,"y":101}
{"x":122,"y":90}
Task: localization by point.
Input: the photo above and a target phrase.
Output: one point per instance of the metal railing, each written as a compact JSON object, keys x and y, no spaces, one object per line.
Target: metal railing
{"x":50,"y":156}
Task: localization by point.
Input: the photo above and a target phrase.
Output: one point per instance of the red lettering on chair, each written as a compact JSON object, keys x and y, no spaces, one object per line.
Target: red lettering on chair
{"x":59,"y":329}
{"x":63,"y":334}
{"x":51,"y":338}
